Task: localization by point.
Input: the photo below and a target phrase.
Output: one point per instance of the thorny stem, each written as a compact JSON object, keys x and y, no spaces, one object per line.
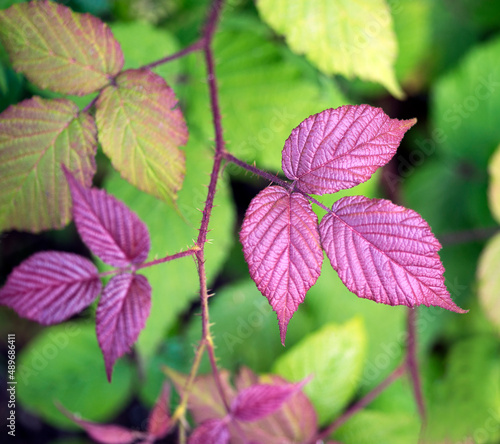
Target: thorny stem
{"x":212,"y":188}
{"x":253,"y":169}
{"x":362,"y":403}
{"x":412,"y":363}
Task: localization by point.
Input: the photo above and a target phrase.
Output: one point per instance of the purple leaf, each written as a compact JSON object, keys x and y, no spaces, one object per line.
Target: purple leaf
{"x":282,"y":248}
{"x":159,"y":419}
{"x":385,"y":253}
{"x":261,"y":400}
{"x":340,"y":148}
{"x":50,"y":287}
{"x":108,"y":227}
{"x":294,"y":422}
{"x":213,"y":431}
{"x":104,"y":433}
{"x":121,"y":315}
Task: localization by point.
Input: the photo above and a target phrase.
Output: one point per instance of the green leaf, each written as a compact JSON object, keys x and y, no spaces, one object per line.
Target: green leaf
{"x":376,"y":427}
{"x":494,"y":186}
{"x":465,"y":106}
{"x":36,"y":137}
{"x":140,"y":129}
{"x":489,"y":281}
{"x":58,"y":49}
{"x":175,"y":284}
{"x":242,"y":321}
{"x":465,"y":404}
{"x":265,"y":92}
{"x":64,"y":363}
{"x":339,"y":37}
{"x":155,"y":44}
{"x":334,"y":356}
{"x":330,"y":301}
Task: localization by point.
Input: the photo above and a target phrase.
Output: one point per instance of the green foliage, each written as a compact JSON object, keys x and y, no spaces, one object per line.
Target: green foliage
{"x":63,"y":364}
{"x":334,"y":355}
{"x":36,"y":136}
{"x":466,"y":401}
{"x":264,"y":92}
{"x":140,"y":130}
{"x":358,"y":38}
{"x":78,"y":65}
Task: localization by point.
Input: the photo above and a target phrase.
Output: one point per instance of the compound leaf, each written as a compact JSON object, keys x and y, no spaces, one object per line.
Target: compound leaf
{"x":36,"y":136}
{"x":140,"y":129}
{"x":121,"y":315}
{"x":108,"y":227}
{"x":339,"y":37}
{"x":341,"y":148}
{"x":50,"y":287}
{"x":58,"y":49}
{"x":282,"y":248}
{"x":385,"y":253}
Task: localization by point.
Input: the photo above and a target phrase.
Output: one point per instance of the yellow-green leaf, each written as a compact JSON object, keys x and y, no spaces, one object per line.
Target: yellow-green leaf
{"x":36,"y":137}
{"x":58,"y":49}
{"x":334,"y":355}
{"x":494,"y":187}
{"x":339,"y":36}
{"x":489,"y":280}
{"x":140,"y":129}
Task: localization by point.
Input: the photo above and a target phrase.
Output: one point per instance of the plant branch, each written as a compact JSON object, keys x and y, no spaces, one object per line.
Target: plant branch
{"x":257,"y":171}
{"x":212,"y":188}
{"x":189,"y":252}
{"x":199,"y":44}
{"x":362,"y":403}
{"x":412,"y":363}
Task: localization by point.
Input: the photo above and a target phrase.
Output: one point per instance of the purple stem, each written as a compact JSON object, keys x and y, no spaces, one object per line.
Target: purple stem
{"x":362,"y":403}
{"x":199,"y":44}
{"x":90,"y":105}
{"x":230,"y":158}
{"x":412,"y":363}
{"x":212,"y":188}
{"x":189,"y":252}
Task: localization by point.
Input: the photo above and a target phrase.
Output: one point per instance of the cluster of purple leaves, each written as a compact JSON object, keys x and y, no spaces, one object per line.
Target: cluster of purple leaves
{"x":381,"y":251}
{"x":262,"y":409}
{"x":50,"y":287}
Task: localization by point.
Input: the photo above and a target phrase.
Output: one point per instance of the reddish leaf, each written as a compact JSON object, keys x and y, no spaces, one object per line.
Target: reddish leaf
{"x":121,"y":315}
{"x":108,"y":227}
{"x":282,"y":248}
{"x":159,"y":419}
{"x":50,"y":287}
{"x":36,"y":136}
{"x":261,"y":400}
{"x":294,"y":422}
{"x":385,"y":253}
{"x":141,"y":129}
{"x":104,"y":433}
{"x":213,"y":431}
{"x":340,"y":148}
{"x":59,"y":49}
{"x":204,"y":401}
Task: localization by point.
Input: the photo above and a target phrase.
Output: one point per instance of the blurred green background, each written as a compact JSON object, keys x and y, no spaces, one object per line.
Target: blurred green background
{"x":448,"y":65}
